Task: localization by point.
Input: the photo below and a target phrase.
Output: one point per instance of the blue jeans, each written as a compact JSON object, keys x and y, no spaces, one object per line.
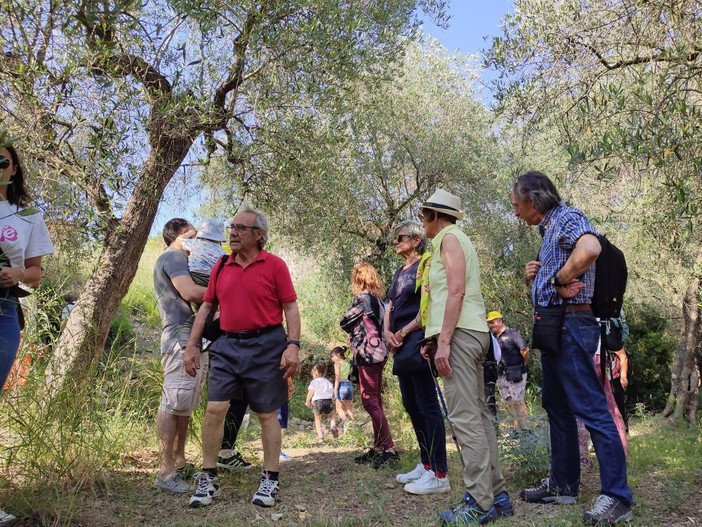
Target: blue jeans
{"x":420,"y":401}
{"x":571,"y":389}
{"x":9,"y":334}
{"x":345,"y":392}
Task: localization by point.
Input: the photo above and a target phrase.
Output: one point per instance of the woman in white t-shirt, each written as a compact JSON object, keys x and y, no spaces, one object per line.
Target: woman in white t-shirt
{"x":319,"y":399}
{"x":24,"y":239}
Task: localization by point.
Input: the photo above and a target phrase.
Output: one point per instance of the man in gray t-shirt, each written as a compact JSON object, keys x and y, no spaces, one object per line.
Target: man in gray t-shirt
{"x":174,"y":290}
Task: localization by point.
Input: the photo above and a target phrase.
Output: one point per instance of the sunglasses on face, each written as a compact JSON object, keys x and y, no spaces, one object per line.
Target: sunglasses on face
{"x":401,"y":238}
{"x":4,"y":162}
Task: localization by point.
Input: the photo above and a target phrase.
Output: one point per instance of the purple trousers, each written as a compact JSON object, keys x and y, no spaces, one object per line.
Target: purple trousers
{"x":370,"y":380}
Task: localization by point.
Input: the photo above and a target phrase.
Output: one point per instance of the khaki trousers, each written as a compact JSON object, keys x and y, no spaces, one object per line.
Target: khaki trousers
{"x":475,"y":432}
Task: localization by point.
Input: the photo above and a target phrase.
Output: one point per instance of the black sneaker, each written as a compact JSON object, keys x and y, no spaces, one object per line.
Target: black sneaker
{"x":235,"y":461}
{"x":545,"y":493}
{"x":384,"y":458}
{"x":368,"y":457}
{"x":467,"y":512}
{"x":608,"y":511}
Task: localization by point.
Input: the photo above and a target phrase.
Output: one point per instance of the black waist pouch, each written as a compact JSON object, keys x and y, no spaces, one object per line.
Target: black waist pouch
{"x":548,"y":328}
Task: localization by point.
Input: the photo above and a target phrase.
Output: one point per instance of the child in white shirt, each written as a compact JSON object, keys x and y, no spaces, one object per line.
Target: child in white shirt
{"x":319,"y":399}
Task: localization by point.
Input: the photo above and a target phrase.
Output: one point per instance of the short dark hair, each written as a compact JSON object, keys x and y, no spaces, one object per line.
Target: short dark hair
{"x":172,"y":228}
{"x":539,"y":189}
{"x":447,"y":217}
{"x":17,"y":193}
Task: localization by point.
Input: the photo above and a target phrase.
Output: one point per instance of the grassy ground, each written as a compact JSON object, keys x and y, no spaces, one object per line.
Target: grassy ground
{"x":321,"y":486}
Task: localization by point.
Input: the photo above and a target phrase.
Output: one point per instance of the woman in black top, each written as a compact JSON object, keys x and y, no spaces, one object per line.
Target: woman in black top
{"x":402,"y":334}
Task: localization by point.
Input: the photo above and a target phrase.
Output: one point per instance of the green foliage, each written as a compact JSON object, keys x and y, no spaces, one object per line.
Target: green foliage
{"x":650,"y":352}
{"x":324,"y":298}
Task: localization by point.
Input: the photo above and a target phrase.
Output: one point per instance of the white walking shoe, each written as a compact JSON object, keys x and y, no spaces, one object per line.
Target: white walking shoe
{"x":6,"y":517}
{"x":429,"y":484}
{"x":411,"y":476}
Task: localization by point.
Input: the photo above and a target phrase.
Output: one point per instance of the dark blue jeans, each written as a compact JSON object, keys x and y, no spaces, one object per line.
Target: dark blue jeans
{"x":9,"y":334}
{"x":571,"y":389}
{"x":420,"y":401}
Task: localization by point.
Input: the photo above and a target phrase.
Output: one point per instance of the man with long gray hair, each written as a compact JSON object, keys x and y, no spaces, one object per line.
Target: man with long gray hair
{"x":254,"y":357}
{"x":567,"y":333}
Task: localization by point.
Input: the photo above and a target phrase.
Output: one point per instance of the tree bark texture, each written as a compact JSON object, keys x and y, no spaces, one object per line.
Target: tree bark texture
{"x":82,"y":341}
{"x":683,"y":400}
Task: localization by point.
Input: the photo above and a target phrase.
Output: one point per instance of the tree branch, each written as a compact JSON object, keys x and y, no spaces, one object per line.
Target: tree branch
{"x":661,"y":56}
{"x":101,"y":39}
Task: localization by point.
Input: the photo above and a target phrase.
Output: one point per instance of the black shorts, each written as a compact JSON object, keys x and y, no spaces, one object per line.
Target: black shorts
{"x":250,"y":369}
{"x":322,"y":407}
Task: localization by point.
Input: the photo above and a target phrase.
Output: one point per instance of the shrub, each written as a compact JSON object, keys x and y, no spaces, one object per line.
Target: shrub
{"x":650,"y":352}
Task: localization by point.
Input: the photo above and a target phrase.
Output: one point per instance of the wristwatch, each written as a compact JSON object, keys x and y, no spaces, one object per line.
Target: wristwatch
{"x":295,"y":342}
{"x":402,"y":333}
{"x":555,"y":283}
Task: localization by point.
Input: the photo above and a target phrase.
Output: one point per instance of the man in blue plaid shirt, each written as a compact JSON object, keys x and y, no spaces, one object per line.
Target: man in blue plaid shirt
{"x":564,"y":277}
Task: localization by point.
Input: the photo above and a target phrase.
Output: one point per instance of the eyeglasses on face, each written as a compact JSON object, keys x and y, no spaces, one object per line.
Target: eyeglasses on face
{"x":401,"y":238}
{"x":4,"y":162}
{"x":240,"y":227}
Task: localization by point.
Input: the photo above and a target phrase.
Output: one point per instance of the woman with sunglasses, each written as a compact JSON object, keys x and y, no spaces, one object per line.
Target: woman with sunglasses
{"x":24,"y":239}
{"x":403,"y":334}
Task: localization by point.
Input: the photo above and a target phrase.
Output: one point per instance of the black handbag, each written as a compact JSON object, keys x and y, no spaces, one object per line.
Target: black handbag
{"x":548,"y":328}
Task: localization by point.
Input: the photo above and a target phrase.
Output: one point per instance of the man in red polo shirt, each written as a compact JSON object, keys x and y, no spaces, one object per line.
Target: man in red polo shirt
{"x":255,"y":356}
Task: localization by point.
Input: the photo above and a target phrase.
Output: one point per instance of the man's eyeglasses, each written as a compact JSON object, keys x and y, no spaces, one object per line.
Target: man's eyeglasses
{"x":240,"y":227}
{"x":401,"y":238}
{"x":4,"y":162}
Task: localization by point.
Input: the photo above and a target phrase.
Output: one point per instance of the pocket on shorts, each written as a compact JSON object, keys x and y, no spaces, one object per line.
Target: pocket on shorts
{"x":174,"y":374}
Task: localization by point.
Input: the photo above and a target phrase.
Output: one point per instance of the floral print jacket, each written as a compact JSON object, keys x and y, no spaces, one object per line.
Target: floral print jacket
{"x":363,"y":323}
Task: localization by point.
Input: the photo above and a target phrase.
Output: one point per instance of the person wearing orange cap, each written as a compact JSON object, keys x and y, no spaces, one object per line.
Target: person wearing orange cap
{"x":512,"y":377}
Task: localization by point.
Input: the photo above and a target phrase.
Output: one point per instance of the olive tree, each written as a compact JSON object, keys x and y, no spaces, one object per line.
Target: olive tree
{"x":110,"y":97}
{"x":618,"y":83}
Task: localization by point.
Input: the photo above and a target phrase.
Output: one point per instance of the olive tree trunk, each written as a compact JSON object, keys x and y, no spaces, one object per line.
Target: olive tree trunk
{"x":83,"y":338}
{"x":683,"y":400}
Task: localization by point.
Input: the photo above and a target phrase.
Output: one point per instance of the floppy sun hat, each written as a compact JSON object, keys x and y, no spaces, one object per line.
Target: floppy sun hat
{"x":212,"y":229}
{"x":445,"y":202}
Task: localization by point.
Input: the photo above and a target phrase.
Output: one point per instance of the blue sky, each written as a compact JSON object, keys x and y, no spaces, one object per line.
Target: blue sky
{"x":471,"y":21}
{"x":472,"y":25}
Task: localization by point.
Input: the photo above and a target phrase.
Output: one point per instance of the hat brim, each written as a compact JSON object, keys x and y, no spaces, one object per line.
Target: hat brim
{"x":458,"y":214}
{"x":210,"y":236}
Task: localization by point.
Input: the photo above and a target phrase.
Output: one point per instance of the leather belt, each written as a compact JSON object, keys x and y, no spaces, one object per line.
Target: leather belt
{"x":577,"y":308}
{"x":252,"y":333}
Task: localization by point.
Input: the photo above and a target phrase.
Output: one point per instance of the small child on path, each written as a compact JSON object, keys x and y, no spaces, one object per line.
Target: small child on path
{"x":319,"y":399}
{"x":343,"y":387}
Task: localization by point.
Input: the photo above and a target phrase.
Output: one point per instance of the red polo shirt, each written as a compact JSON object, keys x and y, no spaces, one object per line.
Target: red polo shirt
{"x":252,"y":297}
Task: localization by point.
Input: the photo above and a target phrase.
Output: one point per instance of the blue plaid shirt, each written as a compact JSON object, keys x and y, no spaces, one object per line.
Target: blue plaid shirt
{"x":560,"y":229}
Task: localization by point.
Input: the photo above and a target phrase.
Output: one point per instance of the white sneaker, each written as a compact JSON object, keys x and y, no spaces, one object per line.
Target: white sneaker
{"x":266,"y":493}
{"x":429,"y":484}
{"x":6,"y":517}
{"x":411,"y":476}
{"x":207,"y":488}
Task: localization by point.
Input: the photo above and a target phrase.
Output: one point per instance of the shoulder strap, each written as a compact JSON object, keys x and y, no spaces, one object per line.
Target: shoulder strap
{"x":215,"y":273}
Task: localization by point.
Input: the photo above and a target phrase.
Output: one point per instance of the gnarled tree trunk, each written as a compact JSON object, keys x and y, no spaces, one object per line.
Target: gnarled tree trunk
{"x":683,"y":400}
{"x":83,"y":338}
